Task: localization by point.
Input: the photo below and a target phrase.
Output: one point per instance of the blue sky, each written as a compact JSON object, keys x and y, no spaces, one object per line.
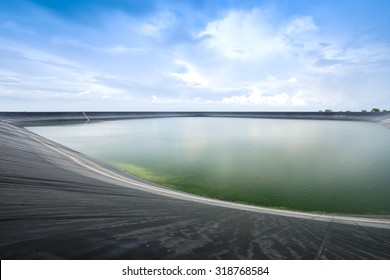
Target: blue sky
{"x":287,"y":55}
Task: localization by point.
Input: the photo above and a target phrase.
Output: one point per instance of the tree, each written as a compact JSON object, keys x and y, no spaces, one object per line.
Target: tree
{"x":328,"y":110}
{"x":364,"y":111}
{"x":375,"y":110}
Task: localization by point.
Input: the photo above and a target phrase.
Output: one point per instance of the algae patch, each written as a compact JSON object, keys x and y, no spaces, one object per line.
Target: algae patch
{"x":146,"y":174}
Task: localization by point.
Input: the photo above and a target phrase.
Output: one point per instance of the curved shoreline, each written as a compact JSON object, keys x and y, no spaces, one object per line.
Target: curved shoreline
{"x":65,"y":159}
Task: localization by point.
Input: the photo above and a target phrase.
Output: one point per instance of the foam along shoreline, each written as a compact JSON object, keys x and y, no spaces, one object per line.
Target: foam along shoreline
{"x":32,"y":165}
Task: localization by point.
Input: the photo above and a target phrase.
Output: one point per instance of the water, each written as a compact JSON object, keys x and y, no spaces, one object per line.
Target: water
{"x":307,"y":165}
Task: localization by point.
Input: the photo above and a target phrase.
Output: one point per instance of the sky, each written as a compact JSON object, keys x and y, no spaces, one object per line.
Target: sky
{"x":188,"y":55}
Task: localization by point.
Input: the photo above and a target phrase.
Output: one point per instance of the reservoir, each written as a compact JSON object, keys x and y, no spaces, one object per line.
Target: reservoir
{"x":304,"y":165}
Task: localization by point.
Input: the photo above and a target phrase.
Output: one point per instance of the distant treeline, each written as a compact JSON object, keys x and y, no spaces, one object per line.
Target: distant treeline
{"x":373,"y":110}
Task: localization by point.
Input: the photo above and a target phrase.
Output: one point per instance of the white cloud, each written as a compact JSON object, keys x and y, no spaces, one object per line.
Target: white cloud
{"x":190,"y":75}
{"x":257,"y":97}
{"x":156,"y":25}
{"x":167,"y":100}
{"x":299,"y":100}
{"x":115,"y":49}
{"x":120,"y":49}
{"x":301,"y":25}
{"x":76,"y":87}
{"x":38,"y":74}
{"x":292,"y":80}
{"x":243,"y":35}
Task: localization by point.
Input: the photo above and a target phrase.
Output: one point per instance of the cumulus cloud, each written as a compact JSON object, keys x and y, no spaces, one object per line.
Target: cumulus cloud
{"x":189,"y":75}
{"x":256,"y":97}
{"x":243,"y":35}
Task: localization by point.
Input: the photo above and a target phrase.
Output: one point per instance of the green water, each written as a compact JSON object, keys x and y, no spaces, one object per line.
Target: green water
{"x":308,"y":165}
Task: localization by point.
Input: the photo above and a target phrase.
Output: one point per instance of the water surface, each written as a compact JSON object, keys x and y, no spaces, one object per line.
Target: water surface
{"x":307,"y":165}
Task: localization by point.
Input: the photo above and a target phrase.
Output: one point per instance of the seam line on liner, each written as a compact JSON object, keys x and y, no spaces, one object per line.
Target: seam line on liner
{"x":85,"y":115}
{"x":322,"y":246}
